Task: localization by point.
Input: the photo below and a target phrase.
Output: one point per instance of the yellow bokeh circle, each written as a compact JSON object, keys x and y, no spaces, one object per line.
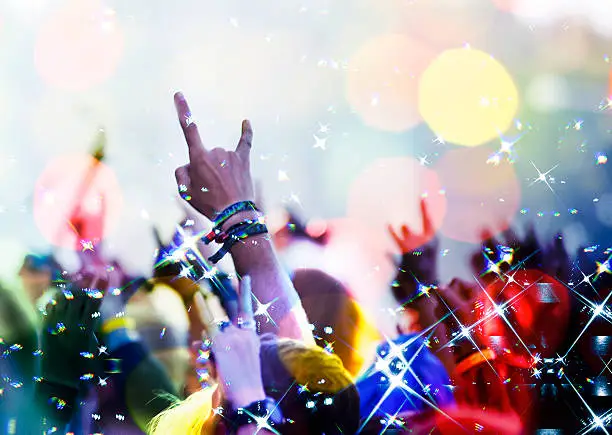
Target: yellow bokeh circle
{"x":467,"y":97}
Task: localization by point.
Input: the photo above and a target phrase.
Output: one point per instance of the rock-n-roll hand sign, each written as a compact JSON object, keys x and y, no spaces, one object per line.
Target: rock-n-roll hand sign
{"x":213,"y":180}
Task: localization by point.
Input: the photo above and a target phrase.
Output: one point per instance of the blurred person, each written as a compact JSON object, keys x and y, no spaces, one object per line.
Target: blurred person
{"x":68,"y":346}
{"x":298,"y":388}
{"x":20,"y":325}
{"x":408,"y":375}
{"x":39,"y":276}
{"x":163,"y":325}
{"x":340,"y":325}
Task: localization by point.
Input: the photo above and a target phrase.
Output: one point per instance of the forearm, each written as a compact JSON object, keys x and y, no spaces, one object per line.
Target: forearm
{"x":256,"y":257}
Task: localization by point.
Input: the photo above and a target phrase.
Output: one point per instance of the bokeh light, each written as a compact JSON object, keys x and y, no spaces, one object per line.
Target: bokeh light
{"x":603,"y":209}
{"x":440,"y":24}
{"x":79,"y":46}
{"x":389,"y":191}
{"x":60,"y":190}
{"x":467,"y":97}
{"x":504,"y":5}
{"x":382,"y":81}
{"x":479,"y":196}
{"x":352,"y":248}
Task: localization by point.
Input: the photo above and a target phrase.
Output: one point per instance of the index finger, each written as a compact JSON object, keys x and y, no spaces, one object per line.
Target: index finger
{"x":396,"y":238}
{"x":246,"y":299}
{"x":190,"y":129}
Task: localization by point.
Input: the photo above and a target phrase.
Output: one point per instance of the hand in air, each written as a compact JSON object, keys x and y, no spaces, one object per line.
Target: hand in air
{"x":235,"y":346}
{"x":407,"y":240}
{"x":213,"y":179}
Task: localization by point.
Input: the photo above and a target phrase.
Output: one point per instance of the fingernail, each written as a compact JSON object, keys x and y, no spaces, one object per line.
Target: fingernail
{"x":179,"y":96}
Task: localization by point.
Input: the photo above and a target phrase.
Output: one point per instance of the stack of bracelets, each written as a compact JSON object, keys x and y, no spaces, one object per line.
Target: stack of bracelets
{"x":235,"y":233}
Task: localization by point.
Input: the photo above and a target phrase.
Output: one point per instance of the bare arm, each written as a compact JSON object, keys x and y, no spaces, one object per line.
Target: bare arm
{"x":256,"y":257}
{"x":212,"y":181}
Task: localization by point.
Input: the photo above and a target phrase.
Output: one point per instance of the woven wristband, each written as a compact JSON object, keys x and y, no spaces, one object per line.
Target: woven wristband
{"x":235,"y":236}
{"x":233,"y":209}
{"x":225,"y":215}
{"x":237,"y":229}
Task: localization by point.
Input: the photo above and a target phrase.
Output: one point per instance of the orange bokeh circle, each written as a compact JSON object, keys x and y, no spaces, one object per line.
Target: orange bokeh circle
{"x":382,"y":81}
{"x":389,"y":191}
{"x":65,"y":212}
{"x":480,"y":196}
{"x":79,"y":46}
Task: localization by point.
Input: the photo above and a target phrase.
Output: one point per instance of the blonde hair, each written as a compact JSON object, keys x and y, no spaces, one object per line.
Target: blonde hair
{"x":308,"y":364}
{"x":322,"y":372}
{"x":192,"y":416}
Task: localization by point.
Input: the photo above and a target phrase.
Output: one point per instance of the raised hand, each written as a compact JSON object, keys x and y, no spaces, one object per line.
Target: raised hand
{"x":236,"y":350}
{"x":419,"y":263}
{"x":213,"y":180}
{"x":408,"y":240}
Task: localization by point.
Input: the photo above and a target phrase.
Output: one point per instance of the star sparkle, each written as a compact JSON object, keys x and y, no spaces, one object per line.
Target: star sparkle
{"x":320,"y":143}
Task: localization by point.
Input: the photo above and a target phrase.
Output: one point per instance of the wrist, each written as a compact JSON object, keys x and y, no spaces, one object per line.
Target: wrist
{"x":252,"y":415}
{"x":242,"y":216}
{"x":245,"y":397}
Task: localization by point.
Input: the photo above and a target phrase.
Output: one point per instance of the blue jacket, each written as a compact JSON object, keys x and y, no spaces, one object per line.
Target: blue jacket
{"x":412,"y":380}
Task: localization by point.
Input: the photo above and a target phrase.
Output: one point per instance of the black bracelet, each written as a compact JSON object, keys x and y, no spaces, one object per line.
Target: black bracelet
{"x":235,"y":237}
{"x":224,"y":216}
{"x":266,"y":410}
